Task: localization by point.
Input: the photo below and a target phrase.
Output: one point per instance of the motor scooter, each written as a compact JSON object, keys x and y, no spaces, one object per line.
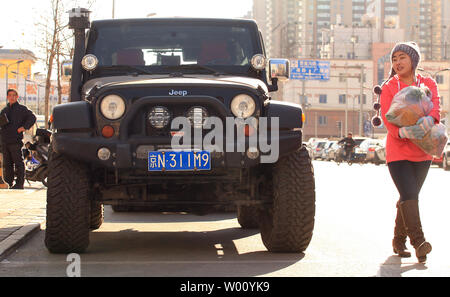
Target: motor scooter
{"x":36,"y":159}
{"x":342,"y":157}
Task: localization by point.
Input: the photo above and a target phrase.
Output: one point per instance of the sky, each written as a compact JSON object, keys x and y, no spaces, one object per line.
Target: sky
{"x":20,"y":17}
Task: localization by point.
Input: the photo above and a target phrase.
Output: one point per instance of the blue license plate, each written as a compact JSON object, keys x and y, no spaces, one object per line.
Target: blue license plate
{"x":177,"y":161}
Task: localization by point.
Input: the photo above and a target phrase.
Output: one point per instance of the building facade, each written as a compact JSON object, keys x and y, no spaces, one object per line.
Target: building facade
{"x":15,"y":66}
{"x":334,"y":107}
{"x":16,"y":72}
{"x":306,"y":28}
{"x":353,"y":32}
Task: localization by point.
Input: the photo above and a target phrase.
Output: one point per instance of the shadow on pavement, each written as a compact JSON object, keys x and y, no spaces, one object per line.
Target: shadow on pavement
{"x":163,"y":217}
{"x":205,"y":253}
{"x":162,"y":254}
{"x":393,"y":267}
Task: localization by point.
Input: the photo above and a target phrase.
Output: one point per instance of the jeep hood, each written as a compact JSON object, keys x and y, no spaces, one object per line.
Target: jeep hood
{"x":225,"y":81}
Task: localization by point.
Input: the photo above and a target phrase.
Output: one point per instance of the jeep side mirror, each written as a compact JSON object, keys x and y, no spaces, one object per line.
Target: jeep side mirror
{"x":66,"y":70}
{"x":279,"y":69}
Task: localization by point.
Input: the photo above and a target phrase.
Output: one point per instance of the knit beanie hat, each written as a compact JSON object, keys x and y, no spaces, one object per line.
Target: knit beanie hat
{"x":409,"y":48}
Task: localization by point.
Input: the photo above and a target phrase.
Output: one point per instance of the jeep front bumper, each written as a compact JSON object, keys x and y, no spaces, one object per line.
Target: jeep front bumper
{"x":133,"y":154}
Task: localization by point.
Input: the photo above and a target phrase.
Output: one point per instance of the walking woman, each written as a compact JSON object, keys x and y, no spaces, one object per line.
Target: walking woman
{"x":407,"y":163}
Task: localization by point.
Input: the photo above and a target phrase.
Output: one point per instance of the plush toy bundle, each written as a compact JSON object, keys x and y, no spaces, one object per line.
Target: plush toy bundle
{"x":407,"y":107}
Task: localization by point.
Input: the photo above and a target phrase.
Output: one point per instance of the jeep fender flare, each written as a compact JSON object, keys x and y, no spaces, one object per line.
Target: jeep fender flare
{"x":289,"y":114}
{"x":73,"y":115}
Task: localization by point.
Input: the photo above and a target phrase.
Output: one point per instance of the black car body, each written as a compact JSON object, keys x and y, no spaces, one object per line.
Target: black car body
{"x":140,"y":76}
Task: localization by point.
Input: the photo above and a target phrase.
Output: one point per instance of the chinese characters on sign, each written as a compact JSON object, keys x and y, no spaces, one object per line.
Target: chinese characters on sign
{"x":310,"y":70}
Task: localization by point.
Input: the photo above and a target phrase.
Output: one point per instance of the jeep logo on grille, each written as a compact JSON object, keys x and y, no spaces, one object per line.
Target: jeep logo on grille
{"x":177,"y":93}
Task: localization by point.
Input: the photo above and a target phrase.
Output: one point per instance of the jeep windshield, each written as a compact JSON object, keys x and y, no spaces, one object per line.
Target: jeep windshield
{"x":164,"y":47}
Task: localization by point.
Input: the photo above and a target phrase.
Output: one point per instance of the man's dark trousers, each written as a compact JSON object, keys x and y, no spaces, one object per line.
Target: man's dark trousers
{"x":348,"y":154}
{"x":12,"y":158}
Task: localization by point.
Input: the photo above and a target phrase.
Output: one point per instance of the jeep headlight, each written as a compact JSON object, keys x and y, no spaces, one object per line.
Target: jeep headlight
{"x":243,"y":106}
{"x":112,"y":107}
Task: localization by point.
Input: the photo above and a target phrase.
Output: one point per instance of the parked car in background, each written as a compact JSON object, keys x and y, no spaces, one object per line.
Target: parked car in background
{"x":374,"y":150}
{"x":317,"y":149}
{"x":327,"y":147}
{"x":359,"y":140}
{"x":313,"y":141}
{"x":332,"y":151}
{"x":438,"y":161}
{"x":380,"y":153}
{"x":359,"y":155}
{"x":446,"y":157}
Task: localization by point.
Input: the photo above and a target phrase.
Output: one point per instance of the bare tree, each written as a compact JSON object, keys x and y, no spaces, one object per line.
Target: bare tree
{"x":57,"y":42}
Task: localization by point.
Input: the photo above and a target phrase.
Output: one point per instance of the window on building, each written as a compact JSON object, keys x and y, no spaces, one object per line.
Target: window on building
{"x":364,"y":78}
{"x":323,"y":120}
{"x":364,"y":99}
{"x":342,"y":99}
{"x":323,"y":98}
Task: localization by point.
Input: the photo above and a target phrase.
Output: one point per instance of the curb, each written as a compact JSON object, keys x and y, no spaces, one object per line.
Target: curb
{"x":13,"y":241}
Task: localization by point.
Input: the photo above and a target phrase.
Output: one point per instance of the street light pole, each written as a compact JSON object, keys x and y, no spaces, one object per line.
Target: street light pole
{"x":25,"y":86}
{"x":7,"y":72}
{"x":361,"y":102}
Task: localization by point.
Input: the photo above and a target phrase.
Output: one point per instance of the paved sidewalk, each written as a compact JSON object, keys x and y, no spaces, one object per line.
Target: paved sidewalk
{"x":21,"y":214}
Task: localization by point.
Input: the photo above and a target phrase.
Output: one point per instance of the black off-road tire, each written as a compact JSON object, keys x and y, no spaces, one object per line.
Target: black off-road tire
{"x":287,"y":226}
{"x":248,"y":216}
{"x":444,"y":163}
{"x":97,"y":215}
{"x":68,"y":206}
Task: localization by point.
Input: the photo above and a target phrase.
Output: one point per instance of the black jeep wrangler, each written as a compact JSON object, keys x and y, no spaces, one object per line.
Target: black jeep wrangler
{"x":176,"y":114}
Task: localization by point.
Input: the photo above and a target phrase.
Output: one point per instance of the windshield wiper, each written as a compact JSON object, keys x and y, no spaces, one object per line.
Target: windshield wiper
{"x":128,"y":68}
{"x":196,"y":67}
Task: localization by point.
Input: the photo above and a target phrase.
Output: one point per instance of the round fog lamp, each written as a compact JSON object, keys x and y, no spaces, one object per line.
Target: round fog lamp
{"x":252,"y":153}
{"x":89,"y":62}
{"x":159,"y":117}
{"x":258,"y":62}
{"x":104,"y":154}
{"x":197,"y":116}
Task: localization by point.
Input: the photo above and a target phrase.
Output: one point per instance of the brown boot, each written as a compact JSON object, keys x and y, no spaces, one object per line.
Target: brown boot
{"x":399,"y":241}
{"x":411,"y":217}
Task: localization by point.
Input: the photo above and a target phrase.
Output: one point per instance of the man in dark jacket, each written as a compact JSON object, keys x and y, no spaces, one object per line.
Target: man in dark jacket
{"x":19,"y":119}
{"x":349,"y":144}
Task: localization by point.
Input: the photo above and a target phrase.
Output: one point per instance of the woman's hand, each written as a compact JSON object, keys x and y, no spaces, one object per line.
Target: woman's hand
{"x":426,"y":123}
{"x":412,"y":132}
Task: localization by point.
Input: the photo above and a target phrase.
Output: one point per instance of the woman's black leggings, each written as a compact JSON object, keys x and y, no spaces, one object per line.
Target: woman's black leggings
{"x":409,"y":177}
